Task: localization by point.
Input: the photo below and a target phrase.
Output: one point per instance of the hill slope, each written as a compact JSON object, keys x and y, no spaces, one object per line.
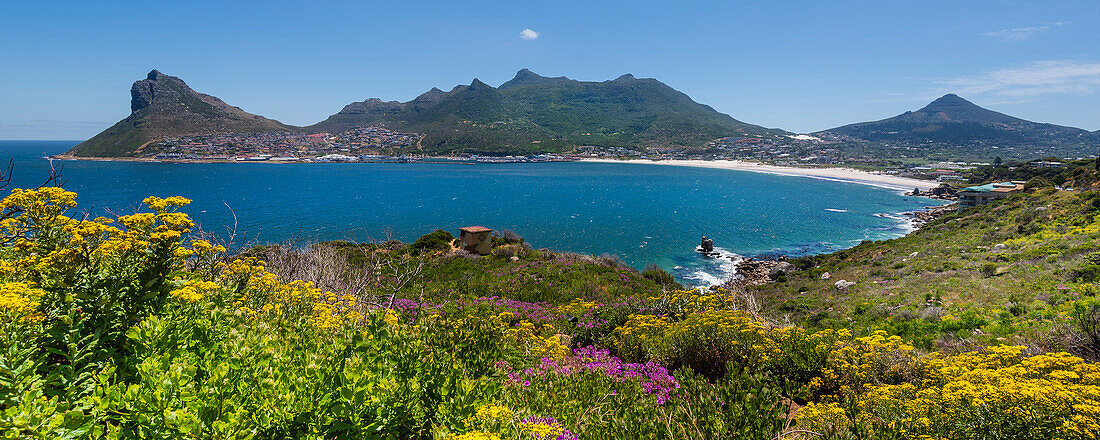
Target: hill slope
{"x":163,"y":105}
{"x":952,"y":119}
{"x":532,"y":112}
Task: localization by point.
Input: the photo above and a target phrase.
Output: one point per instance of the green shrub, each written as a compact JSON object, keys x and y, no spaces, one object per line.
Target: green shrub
{"x":436,"y":241}
{"x":989,"y":269}
{"x":659,"y":276}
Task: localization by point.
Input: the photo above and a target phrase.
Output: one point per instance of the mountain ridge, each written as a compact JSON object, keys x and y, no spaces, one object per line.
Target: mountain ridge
{"x":953,"y":119}
{"x":529,"y":113}
{"x":532,"y":113}
{"x":551,"y":112}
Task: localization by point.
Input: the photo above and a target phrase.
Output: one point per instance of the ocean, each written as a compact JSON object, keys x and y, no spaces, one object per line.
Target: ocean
{"x":640,"y":213}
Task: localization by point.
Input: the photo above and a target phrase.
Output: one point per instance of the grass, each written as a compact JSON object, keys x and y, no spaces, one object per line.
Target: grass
{"x":951,"y":266}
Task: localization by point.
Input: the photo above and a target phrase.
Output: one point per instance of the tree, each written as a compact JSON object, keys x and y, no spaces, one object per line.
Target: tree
{"x":997,"y":161}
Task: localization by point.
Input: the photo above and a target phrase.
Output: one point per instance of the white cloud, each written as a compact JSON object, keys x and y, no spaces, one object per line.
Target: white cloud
{"x":1022,"y":33}
{"x":1035,"y":79}
{"x":528,"y":34}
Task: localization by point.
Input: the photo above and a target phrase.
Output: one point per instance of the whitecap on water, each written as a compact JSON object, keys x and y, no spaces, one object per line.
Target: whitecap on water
{"x":712,"y":271}
{"x":836,"y":210}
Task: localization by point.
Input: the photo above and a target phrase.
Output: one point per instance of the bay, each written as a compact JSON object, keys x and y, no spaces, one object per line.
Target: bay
{"x":639,"y":213}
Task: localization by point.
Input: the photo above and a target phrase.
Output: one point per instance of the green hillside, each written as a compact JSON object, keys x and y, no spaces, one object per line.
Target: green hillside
{"x":534,"y":113}
{"x":1005,"y":272}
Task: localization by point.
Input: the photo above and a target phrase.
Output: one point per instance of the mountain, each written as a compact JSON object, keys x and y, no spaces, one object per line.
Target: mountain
{"x":954,"y":120}
{"x":531,"y":113}
{"x":163,"y":105}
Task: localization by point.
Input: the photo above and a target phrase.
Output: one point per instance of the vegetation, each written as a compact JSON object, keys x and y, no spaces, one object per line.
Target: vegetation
{"x":1076,"y":173}
{"x":136,"y":327}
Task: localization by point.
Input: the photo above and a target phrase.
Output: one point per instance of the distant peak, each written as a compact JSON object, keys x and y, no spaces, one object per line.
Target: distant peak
{"x":949,"y":101}
{"x":153,"y":74}
{"x":527,"y":73}
{"x":476,"y":84}
{"x":524,"y":77}
{"x":430,"y":96}
{"x":950,"y":97}
{"x":625,"y":77}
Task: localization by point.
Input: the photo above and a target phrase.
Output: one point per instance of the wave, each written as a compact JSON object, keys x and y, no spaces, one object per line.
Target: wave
{"x":905,"y":223}
{"x":713,"y":271}
{"x":836,"y":210}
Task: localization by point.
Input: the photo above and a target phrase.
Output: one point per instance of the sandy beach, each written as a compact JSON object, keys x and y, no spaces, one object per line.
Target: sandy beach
{"x":848,"y":175}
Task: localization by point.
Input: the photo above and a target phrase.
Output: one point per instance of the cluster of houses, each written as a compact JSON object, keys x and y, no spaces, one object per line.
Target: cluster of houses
{"x":282,"y":146}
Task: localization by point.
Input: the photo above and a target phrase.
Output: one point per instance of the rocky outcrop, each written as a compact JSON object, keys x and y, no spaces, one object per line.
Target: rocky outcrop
{"x":931,"y":213}
{"x":163,"y":105}
{"x":782,"y":268}
{"x":751,"y":272}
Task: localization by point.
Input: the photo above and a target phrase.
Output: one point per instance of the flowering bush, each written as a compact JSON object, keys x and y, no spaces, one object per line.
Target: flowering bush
{"x":998,"y":391}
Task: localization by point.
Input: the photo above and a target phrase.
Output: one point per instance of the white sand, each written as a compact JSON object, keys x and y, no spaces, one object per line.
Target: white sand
{"x":848,"y":175}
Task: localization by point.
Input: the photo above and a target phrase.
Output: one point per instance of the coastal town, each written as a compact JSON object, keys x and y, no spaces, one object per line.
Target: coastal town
{"x":379,"y":144}
{"x":350,"y":145}
{"x":360,"y":144}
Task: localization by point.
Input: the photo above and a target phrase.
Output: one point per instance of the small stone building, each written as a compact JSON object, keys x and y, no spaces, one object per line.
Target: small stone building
{"x":476,"y":239}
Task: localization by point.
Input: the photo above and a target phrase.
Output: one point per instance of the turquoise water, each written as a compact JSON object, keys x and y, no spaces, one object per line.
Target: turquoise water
{"x":640,"y":213}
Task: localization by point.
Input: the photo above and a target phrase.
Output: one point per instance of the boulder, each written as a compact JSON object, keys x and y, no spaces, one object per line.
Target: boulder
{"x":826,"y":275}
{"x":843,"y":284}
{"x":999,"y":246}
{"x":781,"y":268}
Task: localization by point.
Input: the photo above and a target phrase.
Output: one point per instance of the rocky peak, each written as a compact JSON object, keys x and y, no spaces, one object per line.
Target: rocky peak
{"x":949,"y":101}
{"x":432,"y":95}
{"x":157,"y":87}
{"x":371,"y":105}
{"x":525,"y":73}
{"x":524,"y":77}
{"x":476,"y":84}
{"x":952,"y":107}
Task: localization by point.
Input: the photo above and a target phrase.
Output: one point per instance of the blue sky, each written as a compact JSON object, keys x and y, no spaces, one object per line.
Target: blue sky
{"x":66,"y":67}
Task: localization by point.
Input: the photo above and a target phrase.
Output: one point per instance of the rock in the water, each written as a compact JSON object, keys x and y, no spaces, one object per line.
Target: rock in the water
{"x":826,"y":275}
{"x":782,"y":267}
{"x":843,"y":284}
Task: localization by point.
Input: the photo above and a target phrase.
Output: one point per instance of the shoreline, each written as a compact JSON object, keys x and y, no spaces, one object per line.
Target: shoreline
{"x":834,"y":174}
